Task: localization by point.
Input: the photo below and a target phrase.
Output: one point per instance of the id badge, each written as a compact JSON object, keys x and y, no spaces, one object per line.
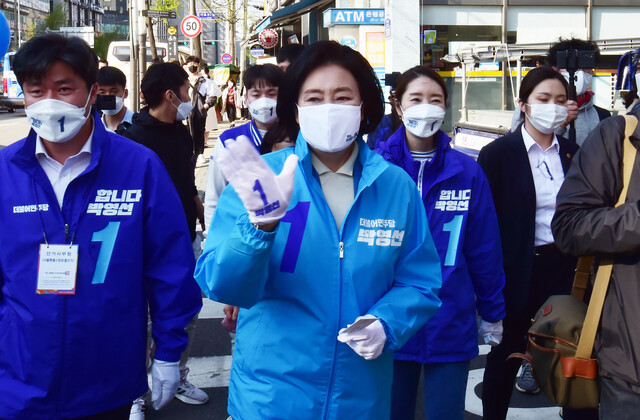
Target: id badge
{"x":57,"y":269}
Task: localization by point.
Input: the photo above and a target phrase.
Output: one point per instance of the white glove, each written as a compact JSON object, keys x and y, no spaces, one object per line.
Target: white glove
{"x":365,"y":336}
{"x":491,"y":332}
{"x":264,"y":195}
{"x":165,"y":377}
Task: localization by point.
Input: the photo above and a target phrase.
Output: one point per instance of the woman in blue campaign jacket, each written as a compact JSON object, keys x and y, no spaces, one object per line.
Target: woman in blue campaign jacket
{"x":300,"y":279}
{"x":464,"y":227}
{"x":69,"y":356}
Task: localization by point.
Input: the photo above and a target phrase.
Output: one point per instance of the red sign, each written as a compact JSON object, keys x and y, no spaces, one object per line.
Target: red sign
{"x":191,"y":26}
{"x":226,"y":58}
{"x":268,"y":38}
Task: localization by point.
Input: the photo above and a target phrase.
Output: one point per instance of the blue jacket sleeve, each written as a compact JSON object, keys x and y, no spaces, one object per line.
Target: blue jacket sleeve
{"x":412,"y":299}
{"x":235,"y":264}
{"x":483,"y":251}
{"x":173,"y":295}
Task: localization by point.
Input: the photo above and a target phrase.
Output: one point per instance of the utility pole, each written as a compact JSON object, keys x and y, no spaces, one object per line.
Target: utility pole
{"x":195,"y":42}
{"x":17,"y":20}
{"x":133,"y":56}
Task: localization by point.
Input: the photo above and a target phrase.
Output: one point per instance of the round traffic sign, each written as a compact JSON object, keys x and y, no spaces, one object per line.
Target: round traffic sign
{"x":172,"y":30}
{"x":226,"y":58}
{"x":191,"y":26}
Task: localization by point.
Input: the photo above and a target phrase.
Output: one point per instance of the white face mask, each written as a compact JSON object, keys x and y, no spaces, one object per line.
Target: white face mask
{"x":329,"y":127}
{"x":264,"y":110}
{"x":119,"y":105}
{"x":637,"y":78}
{"x":184,"y":109}
{"x":56,"y":121}
{"x":423,"y":120}
{"x":583,"y":80}
{"x":546,"y":118}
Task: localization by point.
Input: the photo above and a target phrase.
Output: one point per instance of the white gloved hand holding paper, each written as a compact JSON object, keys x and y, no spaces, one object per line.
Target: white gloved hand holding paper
{"x":365,"y":336}
{"x":165,"y":377}
{"x":264,"y":194}
{"x":491,"y":332}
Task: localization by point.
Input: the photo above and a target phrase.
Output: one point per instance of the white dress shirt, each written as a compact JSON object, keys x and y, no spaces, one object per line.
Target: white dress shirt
{"x":60,"y":175}
{"x":548,"y":175}
{"x":337,"y":187}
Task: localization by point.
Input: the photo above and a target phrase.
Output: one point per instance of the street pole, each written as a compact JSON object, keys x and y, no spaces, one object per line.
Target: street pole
{"x":133,"y":53}
{"x":17,"y":20}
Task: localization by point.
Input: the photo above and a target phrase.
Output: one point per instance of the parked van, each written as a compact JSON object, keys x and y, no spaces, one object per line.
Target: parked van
{"x":12,"y":92}
{"x":119,"y":55}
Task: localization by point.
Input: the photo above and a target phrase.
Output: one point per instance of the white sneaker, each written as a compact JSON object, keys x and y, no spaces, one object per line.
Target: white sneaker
{"x":137,"y":409}
{"x":189,"y":393}
{"x":201,"y":160}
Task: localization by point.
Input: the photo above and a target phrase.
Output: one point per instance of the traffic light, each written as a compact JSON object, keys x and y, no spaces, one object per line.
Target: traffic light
{"x":209,"y":42}
{"x":183,"y":43}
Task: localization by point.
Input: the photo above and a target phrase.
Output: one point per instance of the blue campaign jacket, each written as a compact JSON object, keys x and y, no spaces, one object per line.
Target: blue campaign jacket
{"x":298,"y":286}
{"x":464,"y":227}
{"x":73,"y":356}
{"x":249,"y":129}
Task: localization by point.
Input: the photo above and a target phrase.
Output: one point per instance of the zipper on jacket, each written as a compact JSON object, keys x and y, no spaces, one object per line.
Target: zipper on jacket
{"x":341,"y":249}
{"x":66,"y":232}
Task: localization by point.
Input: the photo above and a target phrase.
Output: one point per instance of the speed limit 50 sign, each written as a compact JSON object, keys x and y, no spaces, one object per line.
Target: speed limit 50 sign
{"x":191,"y":26}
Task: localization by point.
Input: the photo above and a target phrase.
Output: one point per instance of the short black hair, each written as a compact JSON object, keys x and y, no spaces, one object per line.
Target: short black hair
{"x":192,"y":59}
{"x":537,"y":76}
{"x":37,"y":55}
{"x":160,"y":78}
{"x":108,"y":76}
{"x":419,"y":71}
{"x":570,"y":44}
{"x":270,"y":73}
{"x":320,"y":54}
{"x":289,"y":52}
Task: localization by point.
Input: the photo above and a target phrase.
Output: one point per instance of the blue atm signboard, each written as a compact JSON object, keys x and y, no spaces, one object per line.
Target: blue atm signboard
{"x":332,"y":17}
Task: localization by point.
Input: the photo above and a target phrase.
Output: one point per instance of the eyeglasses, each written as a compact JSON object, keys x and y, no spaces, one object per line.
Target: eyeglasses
{"x":544,"y":168}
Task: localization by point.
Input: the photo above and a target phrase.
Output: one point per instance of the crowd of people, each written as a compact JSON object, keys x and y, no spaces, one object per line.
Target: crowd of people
{"x":349,"y":268}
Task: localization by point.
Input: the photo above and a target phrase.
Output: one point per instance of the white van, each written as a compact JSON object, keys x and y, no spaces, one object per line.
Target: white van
{"x":119,"y":55}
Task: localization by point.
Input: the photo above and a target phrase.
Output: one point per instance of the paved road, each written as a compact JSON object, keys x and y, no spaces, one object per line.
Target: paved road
{"x":13,"y":126}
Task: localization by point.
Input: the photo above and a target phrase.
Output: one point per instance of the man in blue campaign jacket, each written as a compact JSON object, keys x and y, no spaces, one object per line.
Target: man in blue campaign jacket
{"x":72,"y":342}
{"x":262,"y":83}
{"x":302,"y":283}
{"x":464,"y":227}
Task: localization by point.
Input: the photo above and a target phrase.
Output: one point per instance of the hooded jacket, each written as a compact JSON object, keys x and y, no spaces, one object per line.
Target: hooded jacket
{"x":68,"y":356}
{"x":464,"y":228}
{"x":587,"y":223}
{"x":172,"y":143}
{"x":299,"y":285}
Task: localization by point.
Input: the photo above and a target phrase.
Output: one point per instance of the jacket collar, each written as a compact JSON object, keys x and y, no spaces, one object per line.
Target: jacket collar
{"x":25,"y":156}
{"x":369,"y":165}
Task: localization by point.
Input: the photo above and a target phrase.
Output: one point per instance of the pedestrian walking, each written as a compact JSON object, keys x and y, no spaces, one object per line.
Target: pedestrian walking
{"x":331,"y":262}
{"x":89,"y":220}
{"x":464,"y":227}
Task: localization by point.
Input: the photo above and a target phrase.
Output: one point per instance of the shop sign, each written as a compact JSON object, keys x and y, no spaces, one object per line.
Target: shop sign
{"x":332,"y":17}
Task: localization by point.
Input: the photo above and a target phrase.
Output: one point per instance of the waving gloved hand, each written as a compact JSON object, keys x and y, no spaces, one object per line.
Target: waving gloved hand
{"x":365,"y":336}
{"x":491,"y":332}
{"x":264,"y":194}
{"x":165,"y":377}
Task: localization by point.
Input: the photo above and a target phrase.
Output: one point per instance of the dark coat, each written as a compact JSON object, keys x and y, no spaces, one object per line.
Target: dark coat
{"x":506,"y":164}
{"x":172,"y":143}
{"x":587,"y":223}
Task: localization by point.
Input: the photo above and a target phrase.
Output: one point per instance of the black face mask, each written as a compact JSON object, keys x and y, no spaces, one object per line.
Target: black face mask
{"x":193,"y":69}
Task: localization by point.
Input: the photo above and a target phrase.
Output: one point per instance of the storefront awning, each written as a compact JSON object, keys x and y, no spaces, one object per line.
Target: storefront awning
{"x":287,"y":14}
